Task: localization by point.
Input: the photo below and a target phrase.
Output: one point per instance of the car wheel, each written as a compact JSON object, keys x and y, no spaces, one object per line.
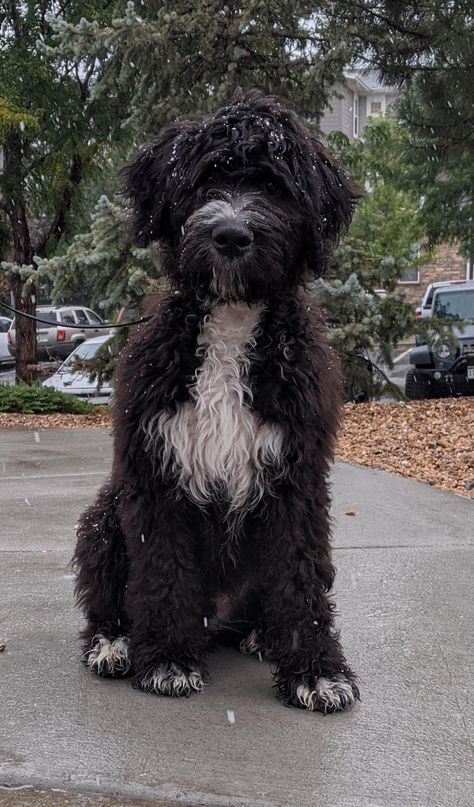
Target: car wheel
{"x":417,"y":386}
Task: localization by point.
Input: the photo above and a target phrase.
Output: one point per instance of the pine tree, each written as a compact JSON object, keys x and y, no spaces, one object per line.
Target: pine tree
{"x":168,"y":59}
{"x":101,"y":266}
{"x":428,"y":50}
{"x":52,"y":137}
{"x":365,"y":314}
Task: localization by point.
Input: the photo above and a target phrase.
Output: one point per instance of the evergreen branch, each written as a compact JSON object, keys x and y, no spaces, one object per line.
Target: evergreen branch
{"x":400,"y":29}
{"x":15,"y":19}
{"x":57,"y":225}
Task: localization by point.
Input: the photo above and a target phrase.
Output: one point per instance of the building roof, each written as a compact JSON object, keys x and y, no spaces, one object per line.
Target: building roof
{"x":370,"y":80}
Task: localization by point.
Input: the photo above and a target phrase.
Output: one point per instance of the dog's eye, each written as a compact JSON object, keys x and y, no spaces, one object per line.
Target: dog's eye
{"x":271,"y":187}
{"x":211,"y":194}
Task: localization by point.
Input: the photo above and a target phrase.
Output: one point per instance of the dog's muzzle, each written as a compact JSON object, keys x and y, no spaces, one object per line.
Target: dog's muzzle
{"x":231,"y":239}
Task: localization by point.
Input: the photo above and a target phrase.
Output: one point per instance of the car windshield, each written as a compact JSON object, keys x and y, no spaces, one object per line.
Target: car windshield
{"x":457,"y":305}
{"x":84,"y":352}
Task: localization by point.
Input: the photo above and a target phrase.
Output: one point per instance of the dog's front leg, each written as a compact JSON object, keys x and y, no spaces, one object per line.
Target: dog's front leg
{"x":310,"y":669}
{"x":164,"y":597}
{"x":100,"y":562}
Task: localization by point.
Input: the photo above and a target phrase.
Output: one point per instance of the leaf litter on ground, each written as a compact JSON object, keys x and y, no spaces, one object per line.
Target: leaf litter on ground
{"x":431,"y":441}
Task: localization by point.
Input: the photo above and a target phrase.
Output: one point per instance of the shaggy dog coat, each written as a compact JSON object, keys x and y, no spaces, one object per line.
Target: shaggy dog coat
{"x":214,"y":525}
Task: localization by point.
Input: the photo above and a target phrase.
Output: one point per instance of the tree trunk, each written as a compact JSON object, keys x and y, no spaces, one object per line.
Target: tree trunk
{"x":25,"y":329}
{"x":23,"y":251}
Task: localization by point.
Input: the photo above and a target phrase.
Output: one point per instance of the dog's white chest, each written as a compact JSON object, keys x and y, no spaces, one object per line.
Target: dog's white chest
{"x":214,"y":442}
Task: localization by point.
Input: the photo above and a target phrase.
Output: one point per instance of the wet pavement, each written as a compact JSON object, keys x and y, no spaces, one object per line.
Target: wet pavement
{"x":404,"y":594}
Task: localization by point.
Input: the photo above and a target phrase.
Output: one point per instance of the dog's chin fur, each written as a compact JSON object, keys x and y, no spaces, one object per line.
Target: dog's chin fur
{"x":215,"y":522}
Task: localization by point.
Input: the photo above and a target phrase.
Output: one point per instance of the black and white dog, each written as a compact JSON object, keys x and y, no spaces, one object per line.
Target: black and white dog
{"x":215,"y":522}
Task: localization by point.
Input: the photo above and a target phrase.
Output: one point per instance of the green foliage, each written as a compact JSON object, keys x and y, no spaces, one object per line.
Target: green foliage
{"x":103,"y":365}
{"x":47,"y":114}
{"x":438,"y":158}
{"x":33,"y":400}
{"x":171,"y":58}
{"x":54,"y":135}
{"x":101,"y":266}
{"x":364,"y":313}
{"x":427,"y":49}
{"x":14,"y":119}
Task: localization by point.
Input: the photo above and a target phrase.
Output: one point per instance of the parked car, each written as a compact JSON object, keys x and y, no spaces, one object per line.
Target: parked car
{"x":447,"y":367}
{"x":58,"y":339}
{"x":425,"y":308}
{"x":5,"y":355}
{"x":73,"y":376}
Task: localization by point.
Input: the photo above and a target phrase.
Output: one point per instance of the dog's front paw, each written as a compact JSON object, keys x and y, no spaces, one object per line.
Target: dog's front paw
{"x":322,"y":694}
{"x":109,"y":657}
{"x":171,"y":679}
{"x":252,"y":644}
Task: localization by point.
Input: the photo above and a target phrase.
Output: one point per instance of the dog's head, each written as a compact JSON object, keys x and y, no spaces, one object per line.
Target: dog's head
{"x":244,"y":203}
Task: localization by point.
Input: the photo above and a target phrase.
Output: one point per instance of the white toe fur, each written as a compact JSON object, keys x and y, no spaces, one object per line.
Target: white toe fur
{"x":109,"y":656}
{"x":328,"y":694}
{"x":171,"y":680}
{"x":250,"y":643}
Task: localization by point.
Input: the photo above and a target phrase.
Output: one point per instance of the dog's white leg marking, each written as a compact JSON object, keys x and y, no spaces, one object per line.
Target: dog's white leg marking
{"x":250,"y":644}
{"x":109,"y":656}
{"x":170,"y":679}
{"x":328,"y":695}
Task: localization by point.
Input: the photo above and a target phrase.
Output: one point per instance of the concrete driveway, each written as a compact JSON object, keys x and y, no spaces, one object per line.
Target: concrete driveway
{"x":404,"y":593}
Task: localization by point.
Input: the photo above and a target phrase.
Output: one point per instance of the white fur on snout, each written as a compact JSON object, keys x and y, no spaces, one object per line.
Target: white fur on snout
{"x":212,"y":213}
{"x":171,"y":680}
{"x":215,"y":439}
{"x":328,"y":695}
{"x":109,"y":656}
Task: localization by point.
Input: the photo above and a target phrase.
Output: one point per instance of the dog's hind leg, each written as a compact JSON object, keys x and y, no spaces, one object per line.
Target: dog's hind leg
{"x":100,"y":562}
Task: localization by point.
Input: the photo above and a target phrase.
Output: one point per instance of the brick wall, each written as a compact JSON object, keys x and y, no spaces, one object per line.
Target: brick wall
{"x":447,"y":264}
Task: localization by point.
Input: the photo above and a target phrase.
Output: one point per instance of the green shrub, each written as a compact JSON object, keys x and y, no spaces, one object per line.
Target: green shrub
{"x":37,"y":400}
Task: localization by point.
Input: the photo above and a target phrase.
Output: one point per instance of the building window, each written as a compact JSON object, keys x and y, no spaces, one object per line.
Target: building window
{"x":375,"y":107}
{"x":355,"y":114}
{"x":411,"y":275}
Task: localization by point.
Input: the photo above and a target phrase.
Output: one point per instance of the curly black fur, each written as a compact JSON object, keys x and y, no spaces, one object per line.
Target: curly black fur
{"x":156,"y":565}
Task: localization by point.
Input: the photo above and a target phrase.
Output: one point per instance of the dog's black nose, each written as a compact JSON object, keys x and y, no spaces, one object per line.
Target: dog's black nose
{"x":231,"y":239}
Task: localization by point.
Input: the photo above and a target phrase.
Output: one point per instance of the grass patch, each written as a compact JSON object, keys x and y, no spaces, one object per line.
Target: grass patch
{"x":36,"y":400}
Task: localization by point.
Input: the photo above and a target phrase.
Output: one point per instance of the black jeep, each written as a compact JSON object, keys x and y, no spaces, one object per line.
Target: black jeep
{"x":447,"y":367}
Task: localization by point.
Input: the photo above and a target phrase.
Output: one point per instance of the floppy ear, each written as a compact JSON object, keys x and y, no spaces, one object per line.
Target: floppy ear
{"x":147,"y":183}
{"x":329,"y":194}
{"x":335,"y":193}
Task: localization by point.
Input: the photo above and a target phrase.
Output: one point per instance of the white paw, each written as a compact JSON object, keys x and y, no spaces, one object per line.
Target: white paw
{"x":109,"y":657}
{"x":328,"y":694}
{"x":170,"y":679}
{"x":250,"y":644}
